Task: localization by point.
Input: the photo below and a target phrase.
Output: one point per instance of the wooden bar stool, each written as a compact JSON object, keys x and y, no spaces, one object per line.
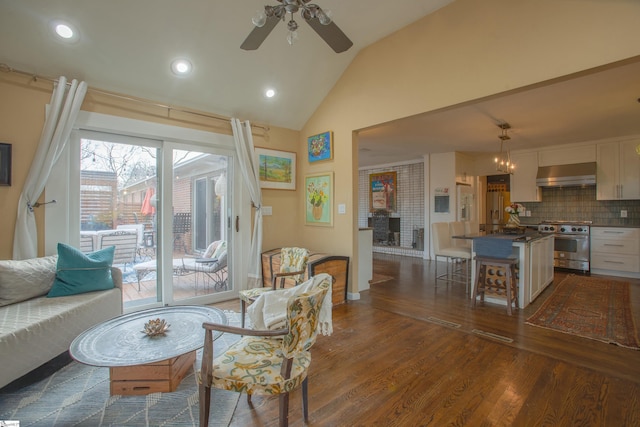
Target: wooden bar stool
{"x":496,"y":275}
{"x":495,"y":269}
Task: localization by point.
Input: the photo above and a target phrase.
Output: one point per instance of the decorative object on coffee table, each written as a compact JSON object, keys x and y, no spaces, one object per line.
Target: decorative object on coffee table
{"x":156,"y":327}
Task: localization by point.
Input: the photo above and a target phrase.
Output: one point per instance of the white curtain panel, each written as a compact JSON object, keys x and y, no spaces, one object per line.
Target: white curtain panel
{"x":249,"y":166}
{"x":53,"y":139}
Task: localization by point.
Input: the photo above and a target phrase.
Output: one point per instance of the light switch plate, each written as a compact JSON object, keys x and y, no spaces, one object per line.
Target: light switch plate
{"x":267,"y":211}
{"x":623,"y":213}
{"x":342,"y":208}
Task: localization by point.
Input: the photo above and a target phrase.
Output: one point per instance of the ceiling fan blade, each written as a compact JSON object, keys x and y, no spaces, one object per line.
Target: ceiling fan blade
{"x":331,"y":34}
{"x":259,"y":34}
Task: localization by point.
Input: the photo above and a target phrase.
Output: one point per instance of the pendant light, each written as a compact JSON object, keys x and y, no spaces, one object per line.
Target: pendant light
{"x":503,"y":160}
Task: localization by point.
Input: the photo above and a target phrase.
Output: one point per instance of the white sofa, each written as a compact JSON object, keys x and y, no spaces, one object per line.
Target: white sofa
{"x":36,"y":330}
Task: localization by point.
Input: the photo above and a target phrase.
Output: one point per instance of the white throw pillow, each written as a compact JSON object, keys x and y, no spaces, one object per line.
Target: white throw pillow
{"x":211,"y":249}
{"x":222,"y":247}
{"x":26,"y":279}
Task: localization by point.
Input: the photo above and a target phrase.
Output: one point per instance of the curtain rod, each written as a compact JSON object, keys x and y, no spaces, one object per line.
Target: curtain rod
{"x":7,"y":69}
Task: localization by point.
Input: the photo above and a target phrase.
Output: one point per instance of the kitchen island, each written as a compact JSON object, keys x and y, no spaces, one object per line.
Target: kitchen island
{"x":535,"y":265}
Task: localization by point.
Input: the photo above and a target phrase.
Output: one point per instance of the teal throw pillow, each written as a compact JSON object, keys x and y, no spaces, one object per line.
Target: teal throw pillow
{"x":78,"y":272}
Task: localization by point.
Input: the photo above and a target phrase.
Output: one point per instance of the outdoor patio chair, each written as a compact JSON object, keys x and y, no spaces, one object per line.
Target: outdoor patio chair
{"x":293,"y":263}
{"x":86,"y":242}
{"x":125,"y":242}
{"x":265,"y":362}
{"x":181,"y":226}
{"x":139,"y":229}
{"x":213,"y":264}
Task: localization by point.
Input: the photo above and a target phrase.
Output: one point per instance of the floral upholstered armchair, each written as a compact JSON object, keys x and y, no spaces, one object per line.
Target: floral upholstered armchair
{"x":293,"y":263}
{"x":266,"y":362}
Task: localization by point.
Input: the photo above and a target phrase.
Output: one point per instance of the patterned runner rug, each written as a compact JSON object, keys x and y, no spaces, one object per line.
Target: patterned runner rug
{"x":78,"y":395}
{"x":589,"y":307}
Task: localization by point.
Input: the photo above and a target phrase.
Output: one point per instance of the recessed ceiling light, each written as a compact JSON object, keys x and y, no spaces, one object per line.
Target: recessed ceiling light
{"x":270,"y":93}
{"x":181,"y":67}
{"x":64,"y":31}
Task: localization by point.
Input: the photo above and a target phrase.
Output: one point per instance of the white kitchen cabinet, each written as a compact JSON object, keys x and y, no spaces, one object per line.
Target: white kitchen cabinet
{"x":615,"y":251}
{"x":541,"y":270}
{"x":618,"y":171}
{"x":523,"y":180}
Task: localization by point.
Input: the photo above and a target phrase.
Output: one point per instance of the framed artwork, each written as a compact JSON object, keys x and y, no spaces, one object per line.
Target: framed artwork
{"x":277,"y":169}
{"x":383,"y":191}
{"x":319,"y":199}
{"x":320,"y":147}
{"x":5,"y":164}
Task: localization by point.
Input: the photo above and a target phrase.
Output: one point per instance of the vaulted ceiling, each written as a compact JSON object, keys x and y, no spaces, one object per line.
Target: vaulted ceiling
{"x":127,"y":47}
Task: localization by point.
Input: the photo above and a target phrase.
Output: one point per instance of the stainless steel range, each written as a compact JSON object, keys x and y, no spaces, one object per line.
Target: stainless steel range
{"x":571,"y":243}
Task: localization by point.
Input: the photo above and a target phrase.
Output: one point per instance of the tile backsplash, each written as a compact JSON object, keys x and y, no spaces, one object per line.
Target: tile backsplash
{"x":580,"y":204}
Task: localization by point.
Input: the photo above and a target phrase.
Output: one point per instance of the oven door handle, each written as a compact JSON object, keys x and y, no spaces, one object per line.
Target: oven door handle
{"x":570,"y":237}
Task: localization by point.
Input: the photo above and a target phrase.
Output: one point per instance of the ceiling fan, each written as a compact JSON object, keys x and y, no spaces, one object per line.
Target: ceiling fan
{"x":317,"y":19}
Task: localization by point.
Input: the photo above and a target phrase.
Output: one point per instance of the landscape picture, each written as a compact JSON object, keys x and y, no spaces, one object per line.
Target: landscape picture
{"x":277,"y":169}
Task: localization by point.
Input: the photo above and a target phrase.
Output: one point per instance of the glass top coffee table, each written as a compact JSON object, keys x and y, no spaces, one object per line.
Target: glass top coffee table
{"x":141,"y":364}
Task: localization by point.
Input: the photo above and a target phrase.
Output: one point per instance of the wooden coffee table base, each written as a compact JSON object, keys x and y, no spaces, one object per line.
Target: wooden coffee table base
{"x":163,"y":376}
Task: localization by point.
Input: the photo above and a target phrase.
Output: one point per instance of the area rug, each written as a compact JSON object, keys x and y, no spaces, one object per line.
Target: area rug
{"x":78,"y":395}
{"x":590,"y":307}
{"x":379,"y":278}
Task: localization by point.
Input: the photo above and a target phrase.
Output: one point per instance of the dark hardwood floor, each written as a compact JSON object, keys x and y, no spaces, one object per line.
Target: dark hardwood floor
{"x":406,"y":354}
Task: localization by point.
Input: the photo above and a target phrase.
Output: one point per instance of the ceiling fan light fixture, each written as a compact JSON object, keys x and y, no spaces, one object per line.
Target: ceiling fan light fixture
{"x":324,"y":16}
{"x":292,"y":37}
{"x":260,"y":18}
{"x":318,"y":19}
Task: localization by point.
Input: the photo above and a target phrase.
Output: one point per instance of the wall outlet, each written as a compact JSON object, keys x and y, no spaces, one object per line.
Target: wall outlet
{"x":623,"y":213}
{"x":266,"y":210}
{"x":527,"y":213}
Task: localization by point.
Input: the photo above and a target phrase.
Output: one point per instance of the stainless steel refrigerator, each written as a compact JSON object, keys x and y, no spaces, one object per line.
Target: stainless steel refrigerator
{"x":497,"y":201}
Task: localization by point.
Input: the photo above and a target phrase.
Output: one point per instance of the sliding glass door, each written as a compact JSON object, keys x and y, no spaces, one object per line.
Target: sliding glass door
{"x":118,"y":207}
{"x":164,"y":206}
{"x":199,"y":241}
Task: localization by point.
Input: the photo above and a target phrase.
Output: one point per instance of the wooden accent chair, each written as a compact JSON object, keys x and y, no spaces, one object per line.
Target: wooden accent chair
{"x":265,"y":362}
{"x":293,"y":263}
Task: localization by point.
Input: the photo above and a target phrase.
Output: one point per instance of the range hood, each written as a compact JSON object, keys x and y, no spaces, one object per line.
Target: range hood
{"x":577,"y":174}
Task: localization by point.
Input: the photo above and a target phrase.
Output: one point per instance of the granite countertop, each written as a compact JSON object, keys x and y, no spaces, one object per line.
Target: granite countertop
{"x":593,"y":225}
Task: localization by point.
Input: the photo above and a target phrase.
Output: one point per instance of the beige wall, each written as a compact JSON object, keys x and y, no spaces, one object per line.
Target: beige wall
{"x":467,"y":50}
{"x":22,"y":107}
{"x":22,"y":104}
{"x":281,"y":228}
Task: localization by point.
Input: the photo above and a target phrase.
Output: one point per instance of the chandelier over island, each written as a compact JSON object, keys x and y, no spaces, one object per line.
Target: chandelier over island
{"x":503,"y":159}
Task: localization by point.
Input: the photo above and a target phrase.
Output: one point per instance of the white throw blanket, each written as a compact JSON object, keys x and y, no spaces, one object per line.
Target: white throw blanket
{"x":269,"y":311}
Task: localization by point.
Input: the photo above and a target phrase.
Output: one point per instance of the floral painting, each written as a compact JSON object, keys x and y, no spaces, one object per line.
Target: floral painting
{"x":319,"y":199}
{"x":320,"y":147}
